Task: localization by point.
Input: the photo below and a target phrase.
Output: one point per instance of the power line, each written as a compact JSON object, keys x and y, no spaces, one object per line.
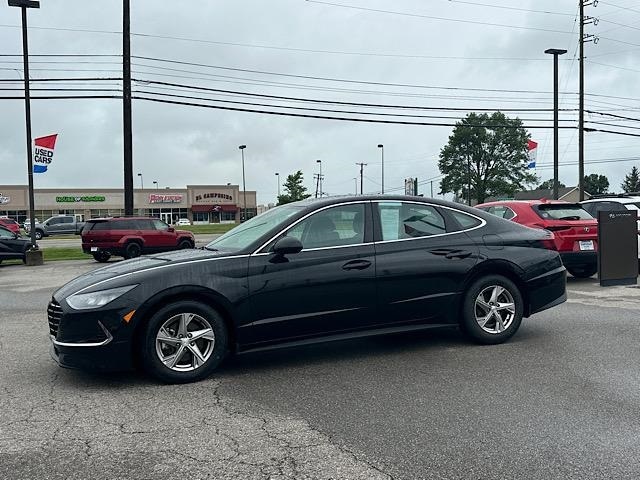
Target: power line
{"x":504,"y":7}
{"x":612,"y":132}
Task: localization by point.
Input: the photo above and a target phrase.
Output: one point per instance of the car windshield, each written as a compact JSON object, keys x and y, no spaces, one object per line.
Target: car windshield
{"x":563,"y":212}
{"x":248,"y":232}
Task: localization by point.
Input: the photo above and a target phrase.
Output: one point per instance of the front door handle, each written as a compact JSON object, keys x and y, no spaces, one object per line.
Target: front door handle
{"x":356,"y":265}
{"x":458,"y":254}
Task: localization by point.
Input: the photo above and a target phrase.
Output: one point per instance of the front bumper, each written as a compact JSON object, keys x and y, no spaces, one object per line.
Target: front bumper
{"x":115,"y":356}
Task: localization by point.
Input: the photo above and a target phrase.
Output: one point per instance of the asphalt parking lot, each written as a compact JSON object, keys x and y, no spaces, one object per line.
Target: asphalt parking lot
{"x":559,"y":401}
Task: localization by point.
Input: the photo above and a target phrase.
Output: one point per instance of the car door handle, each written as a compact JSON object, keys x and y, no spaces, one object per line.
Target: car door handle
{"x":458,"y":254}
{"x":356,"y":265}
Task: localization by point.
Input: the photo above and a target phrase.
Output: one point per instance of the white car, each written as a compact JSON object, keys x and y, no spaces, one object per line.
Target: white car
{"x":183,"y":221}
{"x":622,"y":201}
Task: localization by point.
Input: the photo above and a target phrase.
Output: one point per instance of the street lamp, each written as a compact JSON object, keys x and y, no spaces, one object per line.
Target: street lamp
{"x":278,"y":178}
{"x":141,"y":181}
{"x":381,"y":147}
{"x":24,"y":4}
{"x":555,"y":52}
{"x":244,"y":188}
{"x":319,"y":185}
{"x":156,"y":184}
{"x":355,"y":179}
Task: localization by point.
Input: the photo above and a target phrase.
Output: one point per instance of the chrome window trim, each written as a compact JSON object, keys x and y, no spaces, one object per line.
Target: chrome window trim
{"x":85,"y":344}
{"x":319,"y":248}
{"x":482,"y":220}
{"x":257,"y":252}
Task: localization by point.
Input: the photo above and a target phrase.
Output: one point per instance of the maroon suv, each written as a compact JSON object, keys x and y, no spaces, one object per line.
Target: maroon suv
{"x":130,"y":237}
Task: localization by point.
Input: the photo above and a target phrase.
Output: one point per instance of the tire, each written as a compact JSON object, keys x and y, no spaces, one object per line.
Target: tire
{"x":475,"y":310}
{"x":102,"y":257}
{"x":39,"y":234}
{"x":132,"y":250}
{"x":583,"y":271}
{"x":161,"y":343}
{"x":184,"y":244}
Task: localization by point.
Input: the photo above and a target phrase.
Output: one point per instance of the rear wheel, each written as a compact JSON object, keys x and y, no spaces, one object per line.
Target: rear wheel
{"x":101,"y":257}
{"x":39,"y":235}
{"x":132,"y":250}
{"x":184,"y":342}
{"x":492,"y":310}
{"x":583,"y":271}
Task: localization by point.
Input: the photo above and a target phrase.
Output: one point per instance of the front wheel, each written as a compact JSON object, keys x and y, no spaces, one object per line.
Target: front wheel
{"x":39,"y":235}
{"x":583,"y":271}
{"x":184,"y":342}
{"x":132,"y":250}
{"x":492,"y":310}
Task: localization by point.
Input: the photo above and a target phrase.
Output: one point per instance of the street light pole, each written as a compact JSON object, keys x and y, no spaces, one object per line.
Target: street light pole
{"x":319,"y":180}
{"x":278,"y":178}
{"x":141,"y":181}
{"x":244,"y":187}
{"x":381,"y":147}
{"x":24,"y":4}
{"x":555,"y":52}
{"x":156,"y":184}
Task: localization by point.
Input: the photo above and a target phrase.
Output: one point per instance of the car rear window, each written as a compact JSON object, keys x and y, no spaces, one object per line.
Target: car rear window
{"x":92,"y":226}
{"x":559,"y":211}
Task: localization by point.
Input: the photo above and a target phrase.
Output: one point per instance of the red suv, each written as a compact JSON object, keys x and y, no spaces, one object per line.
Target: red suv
{"x":131,"y":236}
{"x":10,"y":224}
{"x":575,"y":230}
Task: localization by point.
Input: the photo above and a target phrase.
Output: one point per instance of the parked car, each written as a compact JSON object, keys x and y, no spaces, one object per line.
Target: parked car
{"x":183,"y":221}
{"x":311,"y":271}
{"x":607,"y":203}
{"x":58,"y":225}
{"x":131,"y":237}
{"x":27,"y":223}
{"x":10,"y":224}
{"x":575,"y":230}
{"x":12,"y":246}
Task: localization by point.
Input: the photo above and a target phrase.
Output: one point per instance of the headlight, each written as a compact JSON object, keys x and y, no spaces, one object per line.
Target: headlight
{"x":84,"y":301}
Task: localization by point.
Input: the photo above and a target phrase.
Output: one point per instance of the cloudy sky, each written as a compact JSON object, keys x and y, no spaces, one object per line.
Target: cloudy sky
{"x":491,"y":51}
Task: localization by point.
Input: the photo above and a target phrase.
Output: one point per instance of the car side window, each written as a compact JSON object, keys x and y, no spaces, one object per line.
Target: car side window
{"x":464,"y":221}
{"x":160,"y":225}
{"x":332,"y":227}
{"x":6,"y":233}
{"x":409,"y":220}
{"x":142,"y":224}
{"x":54,"y":221}
{"x":67,"y":220}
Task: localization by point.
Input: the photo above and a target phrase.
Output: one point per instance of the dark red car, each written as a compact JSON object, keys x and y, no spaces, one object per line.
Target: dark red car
{"x":575,"y":231}
{"x":131,"y":237}
{"x":10,"y":224}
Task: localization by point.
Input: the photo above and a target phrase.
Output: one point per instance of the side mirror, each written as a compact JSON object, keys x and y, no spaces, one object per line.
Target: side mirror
{"x":287,"y":246}
{"x":171,"y":229}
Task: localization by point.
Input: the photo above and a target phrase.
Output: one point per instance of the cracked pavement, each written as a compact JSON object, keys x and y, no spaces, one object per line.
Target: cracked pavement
{"x":559,"y":401}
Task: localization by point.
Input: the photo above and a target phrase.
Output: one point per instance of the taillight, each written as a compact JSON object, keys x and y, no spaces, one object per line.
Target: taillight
{"x":549,"y":242}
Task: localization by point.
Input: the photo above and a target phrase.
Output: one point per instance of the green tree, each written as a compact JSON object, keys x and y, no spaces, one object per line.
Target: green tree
{"x":294,"y":189}
{"x":548,"y":185}
{"x":631,"y":181}
{"x":596,"y":184}
{"x":490,"y":153}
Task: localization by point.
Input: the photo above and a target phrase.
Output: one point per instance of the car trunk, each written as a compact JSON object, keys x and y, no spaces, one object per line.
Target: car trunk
{"x":574,"y":229}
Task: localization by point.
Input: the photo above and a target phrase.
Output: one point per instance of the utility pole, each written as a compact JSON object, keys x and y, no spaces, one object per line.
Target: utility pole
{"x":431,"y":188}
{"x":469,"y":181}
{"x":362,"y":165}
{"x":584,"y":20}
{"x":555,"y":52}
{"x":355,"y":181}
{"x":381,"y":147}
{"x":126,"y":108}
{"x":243,"y":216}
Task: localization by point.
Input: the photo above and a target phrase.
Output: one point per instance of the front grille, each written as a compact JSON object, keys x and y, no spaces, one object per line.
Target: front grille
{"x":54,"y":314}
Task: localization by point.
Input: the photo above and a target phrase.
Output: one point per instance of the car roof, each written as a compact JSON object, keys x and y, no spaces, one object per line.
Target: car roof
{"x":108,"y":219}
{"x":524,"y":202}
{"x":614,"y":198}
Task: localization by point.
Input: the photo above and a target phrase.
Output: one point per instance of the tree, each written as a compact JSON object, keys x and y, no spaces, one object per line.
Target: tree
{"x":548,"y":185}
{"x":596,"y":184}
{"x":487,"y":152}
{"x":294,"y":189}
{"x":631,"y":181}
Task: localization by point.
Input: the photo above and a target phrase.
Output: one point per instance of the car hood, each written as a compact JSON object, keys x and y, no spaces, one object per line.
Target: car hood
{"x":134,"y":265}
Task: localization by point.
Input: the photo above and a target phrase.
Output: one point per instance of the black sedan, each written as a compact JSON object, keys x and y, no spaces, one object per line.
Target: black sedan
{"x":12,"y":246}
{"x":307,"y":272}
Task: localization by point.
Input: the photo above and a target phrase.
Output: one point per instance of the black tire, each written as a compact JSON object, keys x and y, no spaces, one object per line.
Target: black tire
{"x":150,"y":357}
{"x":102,"y":257}
{"x":132,"y":250}
{"x":39,"y":234}
{"x":583,"y":271}
{"x":185,"y":244}
{"x":471,"y":326}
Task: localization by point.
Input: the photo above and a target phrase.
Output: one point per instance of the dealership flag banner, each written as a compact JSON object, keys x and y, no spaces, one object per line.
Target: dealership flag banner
{"x":533,"y":153}
{"x":43,"y":153}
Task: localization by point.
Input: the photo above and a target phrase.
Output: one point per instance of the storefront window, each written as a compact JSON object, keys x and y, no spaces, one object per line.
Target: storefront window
{"x":201,"y":217}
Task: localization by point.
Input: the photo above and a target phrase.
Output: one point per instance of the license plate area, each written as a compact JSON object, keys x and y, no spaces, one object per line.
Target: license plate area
{"x":586,"y":245}
{"x":94,"y":249}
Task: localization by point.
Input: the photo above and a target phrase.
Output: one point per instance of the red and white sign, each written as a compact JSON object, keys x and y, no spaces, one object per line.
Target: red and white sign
{"x":165,"y":198}
{"x":532,"y":147}
{"x":43,"y":152}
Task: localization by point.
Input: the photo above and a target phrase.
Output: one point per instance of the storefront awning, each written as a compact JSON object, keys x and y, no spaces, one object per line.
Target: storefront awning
{"x":213,"y":208}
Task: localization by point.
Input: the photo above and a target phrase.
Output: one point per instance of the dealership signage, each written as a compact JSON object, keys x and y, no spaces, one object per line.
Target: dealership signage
{"x":4,"y":199}
{"x":85,"y":198}
{"x":214,"y":195}
{"x":164,"y":198}
{"x":43,"y":153}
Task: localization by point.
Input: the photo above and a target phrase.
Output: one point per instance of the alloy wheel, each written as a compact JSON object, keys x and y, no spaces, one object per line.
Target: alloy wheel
{"x":185,"y":342}
{"x":495,"y":309}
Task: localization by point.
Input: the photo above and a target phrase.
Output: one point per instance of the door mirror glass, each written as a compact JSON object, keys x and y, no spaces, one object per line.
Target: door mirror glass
{"x":171,"y":229}
{"x":287,"y":246}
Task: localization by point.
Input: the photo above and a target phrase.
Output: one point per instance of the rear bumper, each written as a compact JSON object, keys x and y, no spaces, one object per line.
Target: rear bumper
{"x":546,"y":291}
{"x":575,"y":259}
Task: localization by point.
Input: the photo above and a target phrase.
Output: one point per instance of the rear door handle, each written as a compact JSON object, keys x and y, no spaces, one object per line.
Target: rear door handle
{"x":356,"y":265}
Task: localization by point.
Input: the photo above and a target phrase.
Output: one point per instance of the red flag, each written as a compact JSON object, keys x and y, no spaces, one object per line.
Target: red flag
{"x":47,"y":142}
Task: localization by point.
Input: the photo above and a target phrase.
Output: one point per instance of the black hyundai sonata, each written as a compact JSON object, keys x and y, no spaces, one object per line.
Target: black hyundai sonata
{"x":307,"y":272}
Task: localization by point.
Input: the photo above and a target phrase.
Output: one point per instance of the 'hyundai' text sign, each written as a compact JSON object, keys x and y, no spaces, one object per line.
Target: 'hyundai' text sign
{"x":617,"y":247}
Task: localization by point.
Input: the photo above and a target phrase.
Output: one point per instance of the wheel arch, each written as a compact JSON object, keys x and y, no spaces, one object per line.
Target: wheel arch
{"x":196,"y":293}
{"x":506,"y":269}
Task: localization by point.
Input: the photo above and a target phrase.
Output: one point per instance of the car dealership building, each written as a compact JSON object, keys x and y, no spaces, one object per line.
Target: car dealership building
{"x":199,"y":203}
